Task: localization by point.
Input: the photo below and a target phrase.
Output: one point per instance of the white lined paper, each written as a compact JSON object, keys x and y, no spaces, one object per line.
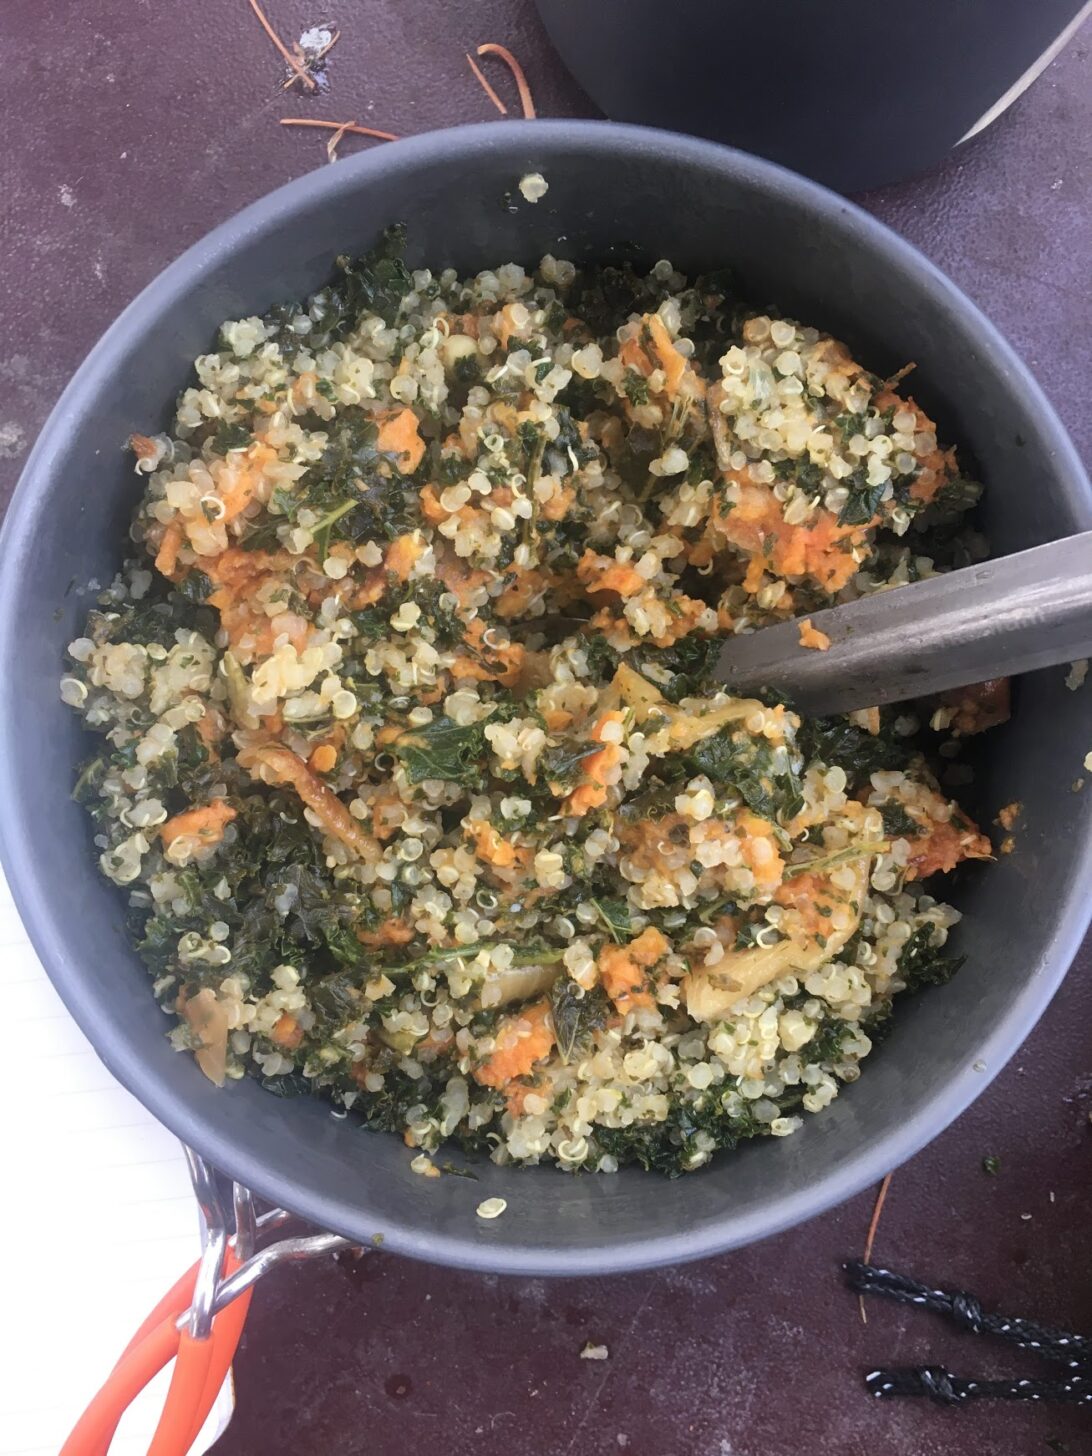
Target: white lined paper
{"x":97,"y":1219}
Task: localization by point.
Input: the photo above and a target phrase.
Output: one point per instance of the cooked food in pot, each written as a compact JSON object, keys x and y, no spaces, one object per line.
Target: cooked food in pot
{"x":389,"y":838}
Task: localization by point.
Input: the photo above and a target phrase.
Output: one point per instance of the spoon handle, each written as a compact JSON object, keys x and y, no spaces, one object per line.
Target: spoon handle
{"x":1009,"y":615}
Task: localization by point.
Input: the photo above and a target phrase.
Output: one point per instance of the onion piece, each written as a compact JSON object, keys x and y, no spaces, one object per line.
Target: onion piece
{"x":208,"y":1020}
{"x":517,"y":983}
{"x":684,"y":729}
{"x":711,"y":993}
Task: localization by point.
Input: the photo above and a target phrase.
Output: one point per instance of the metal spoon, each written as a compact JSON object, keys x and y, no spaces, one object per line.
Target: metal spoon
{"x":1009,"y":615}
{"x":1013,"y":614}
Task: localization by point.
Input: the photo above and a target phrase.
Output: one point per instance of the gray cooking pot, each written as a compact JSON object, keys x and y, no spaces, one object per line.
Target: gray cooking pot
{"x":701,"y":206}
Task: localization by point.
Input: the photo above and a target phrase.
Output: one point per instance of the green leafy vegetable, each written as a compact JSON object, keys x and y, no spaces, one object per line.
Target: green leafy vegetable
{"x":455,"y":1172}
{"x":635,"y":386}
{"x":288,"y":1084}
{"x":603,"y":296}
{"x":820,"y":863}
{"x":269,"y":884}
{"x":559,"y":766}
{"x":921,"y":963}
{"x":601,"y":656}
{"x":196,"y":586}
{"x":808,"y":476}
{"x":90,"y":778}
{"x":531,"y":955}
{"x":322,"y":528}
{"x":672,"y":1146}
{"x":229,"y":436}
{"x":863,"y":500}
{"x":576,"y":1014}
{"x":353,"y":488}
{"x":570,"y":446}
{"x":155,"y":618}
{"x":376,"y":283}
{"x":401,"y":896}
{"x":714,"y":909}
{"x":467,"y":371}
{"x":379,"y":281}
{"x":897,"y":823}
{"x":374,"y":623}
{"x":185,"y":768}
{"x":957,"y":495}
{"x":616,"y":917}
{"x":826,"y":1044}
{"x":836,"y":742}
{"x":733,"y":757}
{"x":444,"y":750}
{"x":690,"y":662}
{"x":851,"y":424}
{"x":337,"y":998}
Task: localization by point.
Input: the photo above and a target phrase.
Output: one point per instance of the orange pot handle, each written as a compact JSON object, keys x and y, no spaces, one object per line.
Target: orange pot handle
{"x":198,"y":1324}
{"x":200,"y":1368}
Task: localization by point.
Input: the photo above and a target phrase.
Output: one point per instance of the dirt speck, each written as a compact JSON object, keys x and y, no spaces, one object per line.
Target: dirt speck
{"x":13,"y":440}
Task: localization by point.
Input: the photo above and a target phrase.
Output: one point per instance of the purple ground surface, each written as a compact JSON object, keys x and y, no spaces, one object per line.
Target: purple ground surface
{"x":131,"y":128}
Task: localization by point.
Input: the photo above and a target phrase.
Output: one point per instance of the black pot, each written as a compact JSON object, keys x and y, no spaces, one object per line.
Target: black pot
{"x":855,"y":94}
{"x":790,"y":242}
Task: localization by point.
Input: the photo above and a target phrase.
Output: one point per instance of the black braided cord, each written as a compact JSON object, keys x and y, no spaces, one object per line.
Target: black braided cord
{"x":948,"y":1389}
{"x":1074,"y":1352}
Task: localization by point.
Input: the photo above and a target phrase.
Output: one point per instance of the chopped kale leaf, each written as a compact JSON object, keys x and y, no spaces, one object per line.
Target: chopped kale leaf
{"x":576,"y":1014}
{"x":615,"y":916}
{"x":601,"y":656}
{"x":444,"y":750}
{"x":672,"y":1146}
{"x":231,"y":436}
{"x":837,"y":742}
{"x":897,"y":823}
{"x":690,"y":661}
{"x":560,"y":766}
{"x":923,"y":964}
{"x":733,"y":757}
{"x":635,"y":386}
{"x":196,"y":587}
{"x":862,"y":502}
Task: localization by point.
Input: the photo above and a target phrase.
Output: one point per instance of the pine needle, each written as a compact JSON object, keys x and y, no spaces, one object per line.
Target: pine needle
{"x":339,"y":128}
{"x":497,"y":102}
{"x":525,"y":97}
{"x":870,"y":1238}
{"x":897,"y":378}
{"x":302,"y":73}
